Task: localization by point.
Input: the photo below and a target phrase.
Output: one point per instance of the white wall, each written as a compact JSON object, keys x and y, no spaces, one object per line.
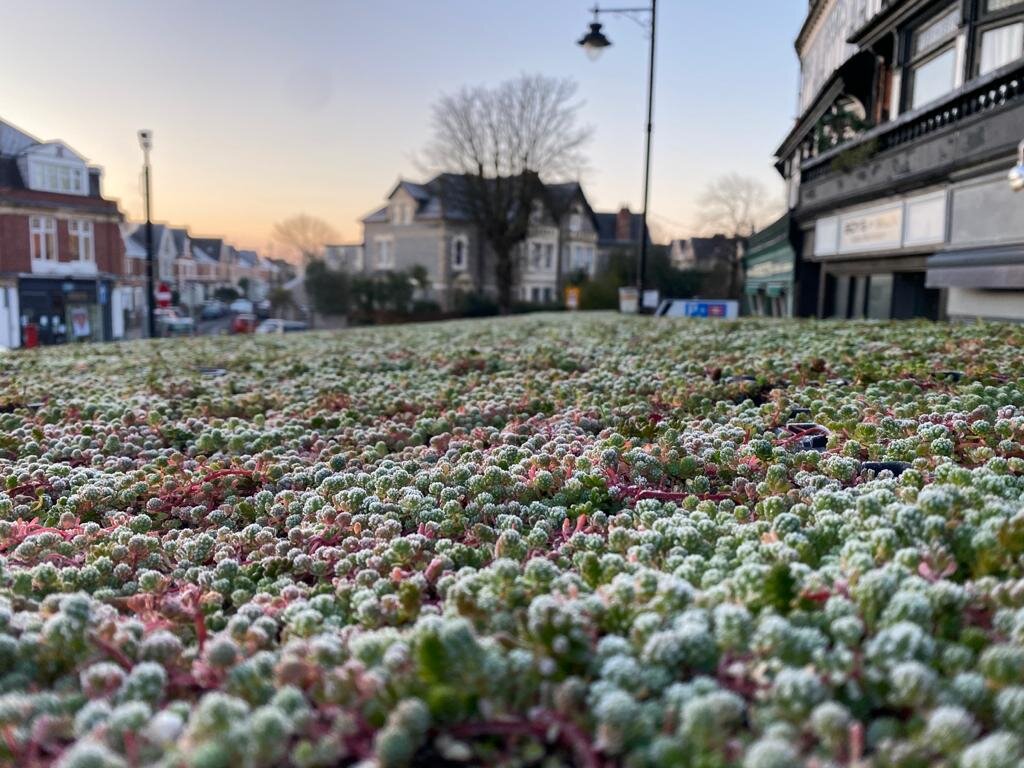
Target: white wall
{"x":974,"y":303}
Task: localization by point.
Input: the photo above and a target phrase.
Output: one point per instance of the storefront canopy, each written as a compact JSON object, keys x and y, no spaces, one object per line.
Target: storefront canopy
{"x":994,"y":268}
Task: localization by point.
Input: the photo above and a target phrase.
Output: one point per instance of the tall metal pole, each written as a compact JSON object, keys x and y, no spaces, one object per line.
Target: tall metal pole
{"x":642,"y":271}
{"x":150,"y":261}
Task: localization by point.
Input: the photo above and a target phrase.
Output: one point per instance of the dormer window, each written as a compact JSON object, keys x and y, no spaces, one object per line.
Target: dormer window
{"x":401,"y":213}
{"x":460,"y":253}
{"x":537,"y":212}
{"x":575,"y":221}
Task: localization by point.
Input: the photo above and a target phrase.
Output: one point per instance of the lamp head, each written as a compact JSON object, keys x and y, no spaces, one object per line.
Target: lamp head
{"x":1016,"y":177}
{"x":146,"y":139}
{"x":595,"y":41}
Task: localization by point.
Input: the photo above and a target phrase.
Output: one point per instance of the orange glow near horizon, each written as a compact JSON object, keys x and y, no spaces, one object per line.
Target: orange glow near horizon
{"x":261,"y":111}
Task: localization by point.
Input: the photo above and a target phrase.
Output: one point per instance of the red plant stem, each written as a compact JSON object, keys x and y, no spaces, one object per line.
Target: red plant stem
{"x":113,"y":651}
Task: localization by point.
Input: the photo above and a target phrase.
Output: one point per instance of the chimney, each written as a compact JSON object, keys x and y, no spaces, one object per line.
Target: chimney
{"x":624,"y":225}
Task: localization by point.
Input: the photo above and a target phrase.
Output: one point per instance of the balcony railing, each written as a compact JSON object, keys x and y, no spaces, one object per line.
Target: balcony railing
{"x":981,"y":95}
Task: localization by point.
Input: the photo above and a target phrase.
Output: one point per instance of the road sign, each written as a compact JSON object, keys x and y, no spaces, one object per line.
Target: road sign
{"x":163,"y":295}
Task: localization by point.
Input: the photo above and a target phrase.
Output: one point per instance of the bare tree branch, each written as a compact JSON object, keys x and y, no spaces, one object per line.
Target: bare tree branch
{"x":735,"y":205}
{"x":499,"y":144}
{"x":305,"y":235}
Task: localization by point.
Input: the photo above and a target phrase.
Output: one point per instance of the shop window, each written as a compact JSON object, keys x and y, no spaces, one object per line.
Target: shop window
{"x":934,"y":60}
{"x":43,"y":237}
{"x":841,"y":297}
{"x":880,"y":297}
{"x":858,"y":297}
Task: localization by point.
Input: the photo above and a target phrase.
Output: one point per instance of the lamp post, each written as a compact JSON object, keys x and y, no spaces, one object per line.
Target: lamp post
{"x":146,"y":142}
{"x":594,"y":42}
{"x":1017,"y":174}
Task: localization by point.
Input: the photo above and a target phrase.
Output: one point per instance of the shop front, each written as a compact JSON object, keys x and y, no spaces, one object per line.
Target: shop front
{"x":769,"y":271}
{"x":874,"y":258}
{"x":61,"y":311}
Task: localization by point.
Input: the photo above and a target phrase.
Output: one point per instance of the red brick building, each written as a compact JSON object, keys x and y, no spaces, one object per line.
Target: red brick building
{"x":62,"y":261}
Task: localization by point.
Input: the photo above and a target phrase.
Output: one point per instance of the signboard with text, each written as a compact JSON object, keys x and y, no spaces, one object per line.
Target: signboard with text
{"x":696,"y":308}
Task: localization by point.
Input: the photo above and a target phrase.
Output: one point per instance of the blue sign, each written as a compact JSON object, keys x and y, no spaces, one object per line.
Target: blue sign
{"x":103,"y":294}
{"x":726,"y":310}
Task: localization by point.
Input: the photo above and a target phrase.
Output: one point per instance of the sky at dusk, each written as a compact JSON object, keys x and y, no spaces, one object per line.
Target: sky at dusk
{"x":264,"y":108}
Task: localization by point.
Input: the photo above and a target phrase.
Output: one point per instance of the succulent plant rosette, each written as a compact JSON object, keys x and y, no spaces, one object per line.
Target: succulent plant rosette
{"x":543,"y":541}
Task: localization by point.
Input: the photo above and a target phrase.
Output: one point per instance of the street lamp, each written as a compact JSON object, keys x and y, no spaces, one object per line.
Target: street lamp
{"x":594,"y":42}
{"x":146,"y":142}
{"x":1017,"y":174}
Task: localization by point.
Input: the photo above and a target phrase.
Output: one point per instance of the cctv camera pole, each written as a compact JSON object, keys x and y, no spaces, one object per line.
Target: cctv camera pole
{"x":146,"y":140}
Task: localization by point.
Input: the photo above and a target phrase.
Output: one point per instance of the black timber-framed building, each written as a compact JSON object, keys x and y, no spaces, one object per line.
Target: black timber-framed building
{"x":911,"y":112}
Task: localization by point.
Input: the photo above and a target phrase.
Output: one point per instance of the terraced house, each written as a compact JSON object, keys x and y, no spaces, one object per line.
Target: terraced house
{"x":911,"y":112}
{"x":421,"y":226}
{"x":62,"y":263}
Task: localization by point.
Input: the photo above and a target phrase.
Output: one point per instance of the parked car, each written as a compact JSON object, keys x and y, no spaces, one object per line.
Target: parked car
{"x":241,"y":306}
{"x":263,"y":309}
{"x":172,"y":321}
{"x":276,"y":325}
{"x":213,"y":310}
{"x":243,"y":322}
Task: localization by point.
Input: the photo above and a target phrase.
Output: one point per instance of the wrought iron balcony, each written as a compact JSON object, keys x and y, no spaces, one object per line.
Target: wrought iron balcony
{"x":995,"y":91}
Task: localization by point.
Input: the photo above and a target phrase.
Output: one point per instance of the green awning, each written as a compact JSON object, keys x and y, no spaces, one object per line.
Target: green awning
{"x":774,"y":290}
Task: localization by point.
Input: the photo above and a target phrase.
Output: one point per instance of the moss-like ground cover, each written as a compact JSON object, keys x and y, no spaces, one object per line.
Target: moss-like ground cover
{"x":542,"y":541}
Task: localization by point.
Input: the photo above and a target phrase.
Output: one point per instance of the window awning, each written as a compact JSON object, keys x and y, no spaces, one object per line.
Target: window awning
{"x":996,"y":267}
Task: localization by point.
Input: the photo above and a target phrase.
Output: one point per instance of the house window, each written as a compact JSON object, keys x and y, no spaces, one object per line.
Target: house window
{"x":1000,"y":35}
{"x":537,"y":213}
{"x":575,"y":222}
{"x":583,"y":258}
{"x":43,"y":237}
{"x":401,"y":214}
{"x":1000,"y":46}
{"x":549,"y":256}
{"x":460,"y":248}
{"x":56,"y":177}
{"x":934,"y":64}
{"x":80,"y":239}
{"x":535,"y":295}
{"x":385,"y":255}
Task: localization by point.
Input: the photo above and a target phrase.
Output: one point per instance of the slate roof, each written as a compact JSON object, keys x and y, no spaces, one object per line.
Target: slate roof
{"x":139,"y":235}
{"x":209,"y":246}
{"x":607,"y":229}
{"x":248,"y":258}
{"x":438,"y":198}
{"x":13,"y":143}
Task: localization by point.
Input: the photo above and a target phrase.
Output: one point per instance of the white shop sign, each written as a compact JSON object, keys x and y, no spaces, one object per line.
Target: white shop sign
{"x":908,"y":223}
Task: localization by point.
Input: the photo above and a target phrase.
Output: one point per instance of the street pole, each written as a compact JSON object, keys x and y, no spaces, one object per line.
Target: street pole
{"x":146,"y":141}
{"x":642,"y":273}
{"x":594,"y":42}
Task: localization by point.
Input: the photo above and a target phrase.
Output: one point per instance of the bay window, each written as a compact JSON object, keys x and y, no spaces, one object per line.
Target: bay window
{"x":43,"y":237}
{"x":80,"y":240}
{"x":934,"y":58}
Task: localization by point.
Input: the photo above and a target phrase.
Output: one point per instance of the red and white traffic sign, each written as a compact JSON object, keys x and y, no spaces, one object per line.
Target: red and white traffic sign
{"x":163,"y":295}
